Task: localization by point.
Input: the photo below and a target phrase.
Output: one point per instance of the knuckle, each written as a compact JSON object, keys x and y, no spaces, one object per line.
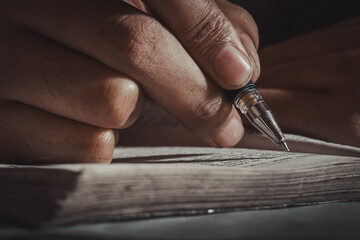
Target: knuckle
{"x":208,"y":108}
{"x":99,"y":147}
{"x":212,"y":29}
{"x":120,"y":98}
{"x":137,"y":40}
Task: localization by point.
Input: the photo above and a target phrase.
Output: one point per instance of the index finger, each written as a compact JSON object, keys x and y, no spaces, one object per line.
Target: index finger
{"x":225,"y":53}
{"x":126,"y":39}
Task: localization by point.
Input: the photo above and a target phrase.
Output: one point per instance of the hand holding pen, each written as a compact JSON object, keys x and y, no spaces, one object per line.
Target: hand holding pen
{"x":87,"y":68}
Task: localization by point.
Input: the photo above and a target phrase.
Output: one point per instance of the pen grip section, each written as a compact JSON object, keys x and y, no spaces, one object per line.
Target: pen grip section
{"x":245,"y":97}
{"x":235,"y":95}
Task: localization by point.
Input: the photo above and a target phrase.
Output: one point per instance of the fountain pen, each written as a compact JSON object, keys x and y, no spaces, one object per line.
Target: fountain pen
{"x":249,"y":102}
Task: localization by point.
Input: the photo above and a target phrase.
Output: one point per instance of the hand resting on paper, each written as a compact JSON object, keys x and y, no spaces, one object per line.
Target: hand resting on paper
{"x":73,"y":72}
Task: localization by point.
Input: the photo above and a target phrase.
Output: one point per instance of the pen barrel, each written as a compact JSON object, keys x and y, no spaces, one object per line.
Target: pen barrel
{"x":248,"y":100}
{"x":245,"y":97}
{"x":251,"y":104}
{"x":235,"y":95}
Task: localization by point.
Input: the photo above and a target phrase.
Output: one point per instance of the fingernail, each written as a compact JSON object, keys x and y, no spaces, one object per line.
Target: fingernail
{"x":231,"y":134}
{"x":232,"y":67}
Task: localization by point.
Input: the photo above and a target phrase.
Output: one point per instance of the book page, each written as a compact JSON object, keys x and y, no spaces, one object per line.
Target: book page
{"x":157,"y":181}
{"x":225,"y":157}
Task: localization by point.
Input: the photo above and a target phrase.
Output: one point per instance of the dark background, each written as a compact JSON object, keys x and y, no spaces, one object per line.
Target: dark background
{"x":279,"y":20}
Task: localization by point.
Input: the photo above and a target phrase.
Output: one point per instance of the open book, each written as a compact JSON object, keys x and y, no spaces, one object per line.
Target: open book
{"x":158,"y":181}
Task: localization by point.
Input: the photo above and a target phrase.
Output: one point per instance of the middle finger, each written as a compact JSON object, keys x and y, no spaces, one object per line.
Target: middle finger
{"x":41,"y":73}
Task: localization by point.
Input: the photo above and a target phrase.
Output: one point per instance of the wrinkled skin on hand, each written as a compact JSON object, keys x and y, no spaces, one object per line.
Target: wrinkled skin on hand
{"x":74,"y":72}
{"x":311,"y":83}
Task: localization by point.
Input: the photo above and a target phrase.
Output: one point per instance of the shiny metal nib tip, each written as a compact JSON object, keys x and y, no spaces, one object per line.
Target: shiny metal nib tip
{"x":284,"y":146}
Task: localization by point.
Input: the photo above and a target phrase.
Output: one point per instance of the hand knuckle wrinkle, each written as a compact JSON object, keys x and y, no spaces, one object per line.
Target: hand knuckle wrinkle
{"x":101,"y":146}
{"x":212,"y":29}
{"x":120,"y":98}
{"x":208,"y":108}
{"x":138,"y":39}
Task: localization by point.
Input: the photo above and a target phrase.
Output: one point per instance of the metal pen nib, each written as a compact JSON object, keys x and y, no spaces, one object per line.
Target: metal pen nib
{"x":284,"y":146}
{"x":250,"y":103}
